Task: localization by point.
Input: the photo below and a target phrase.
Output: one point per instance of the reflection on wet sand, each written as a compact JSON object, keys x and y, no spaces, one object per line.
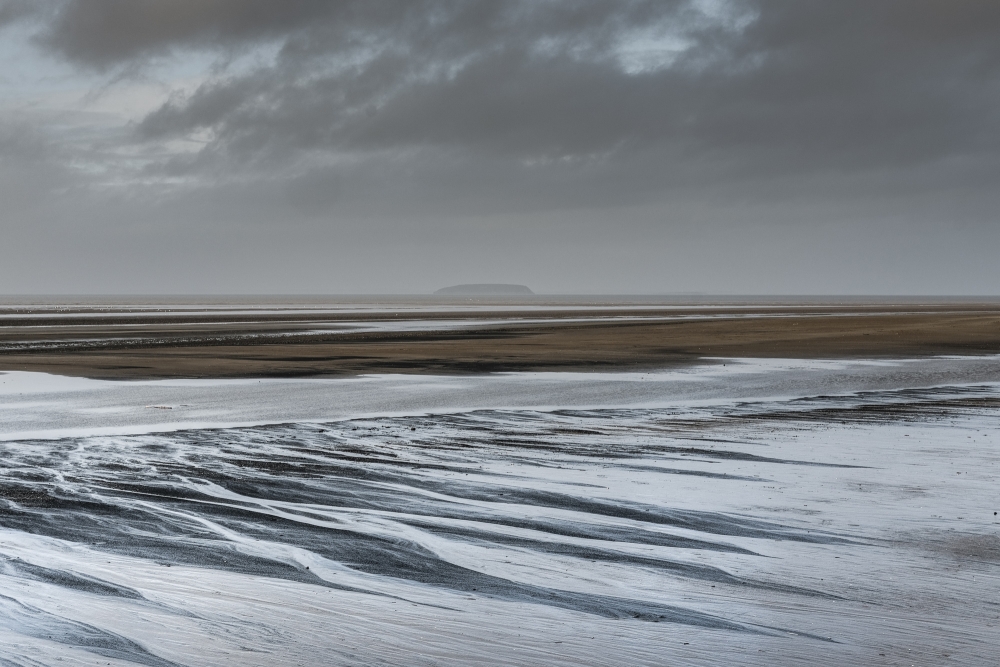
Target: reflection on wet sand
{"x":771,"y":531}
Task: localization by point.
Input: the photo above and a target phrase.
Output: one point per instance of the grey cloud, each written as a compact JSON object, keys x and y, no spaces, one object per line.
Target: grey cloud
{"x":807,"y":102}
{"x":809,"y":84}
{"x":804,"y":85}
{"x":102,"y":33}
{"x":15,"y":10}
{"x":533,"y":74}
{"x":372,"y":120}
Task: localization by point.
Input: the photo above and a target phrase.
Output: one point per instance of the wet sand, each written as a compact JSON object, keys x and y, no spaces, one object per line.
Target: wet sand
{"x":761,"y":512}
{"x":253,"y":339}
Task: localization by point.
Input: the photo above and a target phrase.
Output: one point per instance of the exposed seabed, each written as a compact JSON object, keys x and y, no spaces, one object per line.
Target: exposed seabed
{"x":740,"y":512}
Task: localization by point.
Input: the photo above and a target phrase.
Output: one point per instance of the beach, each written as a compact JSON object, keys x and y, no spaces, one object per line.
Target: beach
{"x":501,"y":485}
{"x":255,"y":338}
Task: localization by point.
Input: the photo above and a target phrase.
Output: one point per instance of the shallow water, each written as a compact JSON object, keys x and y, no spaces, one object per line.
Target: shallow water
{"x":754,"y":513}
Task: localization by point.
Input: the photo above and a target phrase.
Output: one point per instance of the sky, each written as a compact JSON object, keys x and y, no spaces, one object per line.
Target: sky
{"x":574,"y":146}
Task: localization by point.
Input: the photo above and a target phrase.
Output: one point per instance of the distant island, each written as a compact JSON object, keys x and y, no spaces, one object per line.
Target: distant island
{"x":485,"y":289}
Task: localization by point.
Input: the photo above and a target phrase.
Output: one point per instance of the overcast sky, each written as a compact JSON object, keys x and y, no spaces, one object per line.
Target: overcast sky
{"x":323,"y":146}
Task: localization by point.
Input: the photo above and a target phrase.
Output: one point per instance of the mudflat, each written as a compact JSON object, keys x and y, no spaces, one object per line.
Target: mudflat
{"x":128,"y":341}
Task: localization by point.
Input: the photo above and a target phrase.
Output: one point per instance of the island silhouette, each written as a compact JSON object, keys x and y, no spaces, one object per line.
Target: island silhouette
{"x":479,"y":289}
